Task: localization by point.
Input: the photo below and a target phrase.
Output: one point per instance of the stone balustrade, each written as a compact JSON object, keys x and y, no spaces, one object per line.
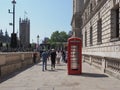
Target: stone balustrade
{"x":13,"y":61}
{"x":108,"y":65}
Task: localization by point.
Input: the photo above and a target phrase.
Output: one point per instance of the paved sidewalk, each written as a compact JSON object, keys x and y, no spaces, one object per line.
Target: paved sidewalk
{"x":34,"y":78}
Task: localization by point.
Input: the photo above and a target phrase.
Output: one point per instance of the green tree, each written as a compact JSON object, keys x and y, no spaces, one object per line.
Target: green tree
{"x":58,"y":38}
{"x":63,"y":36}
{"x":55,"y":36}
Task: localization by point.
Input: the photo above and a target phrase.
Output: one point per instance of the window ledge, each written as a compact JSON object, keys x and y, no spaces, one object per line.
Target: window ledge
{"x":91,"y":44}
{"x":115,"y":39}
{"x":98,"y":43}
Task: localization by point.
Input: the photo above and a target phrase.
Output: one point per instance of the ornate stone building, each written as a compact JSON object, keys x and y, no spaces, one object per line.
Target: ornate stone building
{"x":76,"y":18}
{"x":101,"y":34}
{"x":24,"y":27}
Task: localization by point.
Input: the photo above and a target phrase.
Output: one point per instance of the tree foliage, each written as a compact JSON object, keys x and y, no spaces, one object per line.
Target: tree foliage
{"x":58,"y":38}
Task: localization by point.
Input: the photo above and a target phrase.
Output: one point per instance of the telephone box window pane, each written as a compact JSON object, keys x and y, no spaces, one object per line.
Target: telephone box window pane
{"x":74,"y":57}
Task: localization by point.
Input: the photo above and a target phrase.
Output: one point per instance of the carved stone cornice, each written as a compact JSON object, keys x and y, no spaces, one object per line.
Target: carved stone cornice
{"x":76,"y":19}
{"x":85,"y":5}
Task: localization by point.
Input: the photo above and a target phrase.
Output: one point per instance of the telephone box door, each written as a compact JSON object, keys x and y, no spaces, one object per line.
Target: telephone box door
{"x":74,"y":56}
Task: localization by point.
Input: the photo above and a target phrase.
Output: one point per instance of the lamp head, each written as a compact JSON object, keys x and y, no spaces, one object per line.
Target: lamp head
{"x":13,"y":2}
{"x":8,"y":10}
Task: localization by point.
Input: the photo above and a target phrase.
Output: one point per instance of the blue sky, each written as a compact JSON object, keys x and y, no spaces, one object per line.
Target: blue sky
{"x":46,"y":16}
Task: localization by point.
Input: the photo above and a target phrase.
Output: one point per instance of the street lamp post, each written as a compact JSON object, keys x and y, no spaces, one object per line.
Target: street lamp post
{"x":13,"y":2}
{"x":13,"y":35}
{"x":37,"y":41}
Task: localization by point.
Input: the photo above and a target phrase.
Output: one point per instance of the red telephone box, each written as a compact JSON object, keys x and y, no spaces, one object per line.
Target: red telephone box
{"x":74,"y":55}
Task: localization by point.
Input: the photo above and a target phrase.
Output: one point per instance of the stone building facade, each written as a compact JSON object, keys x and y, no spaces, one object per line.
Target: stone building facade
{"x":101,"y":34}
{"x":76,"y":18}
{"x":100,"y":28}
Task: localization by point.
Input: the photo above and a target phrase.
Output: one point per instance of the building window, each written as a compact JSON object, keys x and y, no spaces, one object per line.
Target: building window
{"x":115,"y":24}
{"x":91,"y":36}
{"x":91,"y":7}
{"x":99,"y":31}
{"x":85,"y":15}
{"x":85,"y":38}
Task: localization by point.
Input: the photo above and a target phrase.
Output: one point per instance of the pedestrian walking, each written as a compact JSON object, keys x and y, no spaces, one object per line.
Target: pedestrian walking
{"x":34,"y":57}
{"x":53,"y":59}
{"x":49,"y":52}
{"x":63,"y":56}
{"x":58,"y":56}
{"x":44,"y":60}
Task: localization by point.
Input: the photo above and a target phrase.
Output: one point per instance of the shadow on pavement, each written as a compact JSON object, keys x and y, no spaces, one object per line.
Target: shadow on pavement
{"x":60,"y":69}
{"x":94,"y":75}
{"x":52,"y":70}
{"x":56,"y":70}
{"x":6,"y":77}
{"x":40,"y":64}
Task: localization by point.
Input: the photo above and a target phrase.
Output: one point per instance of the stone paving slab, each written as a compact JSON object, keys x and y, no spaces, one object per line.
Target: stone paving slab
{"x":34,"y":78}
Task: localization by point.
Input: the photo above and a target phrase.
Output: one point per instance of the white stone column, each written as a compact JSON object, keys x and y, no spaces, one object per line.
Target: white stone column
{"x":90,"y":60}
{"x":83,"y":58}
{"x":103,"y":65}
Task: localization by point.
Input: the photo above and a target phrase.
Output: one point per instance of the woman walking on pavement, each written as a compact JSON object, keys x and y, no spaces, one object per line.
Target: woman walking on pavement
{"x":58,"y":56}
{"x":53,"y":57}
